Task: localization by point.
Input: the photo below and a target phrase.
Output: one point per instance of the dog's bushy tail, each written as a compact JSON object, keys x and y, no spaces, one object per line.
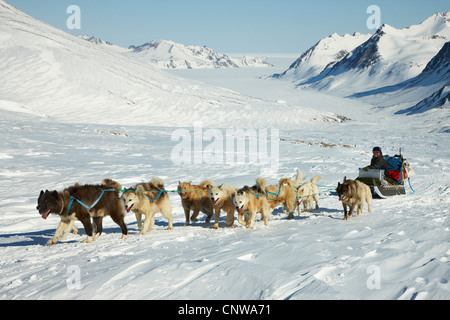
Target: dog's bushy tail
{"x":206,"y":183}
{"x":158,"y":183}
{"x":109,"y":183}
{"x":261,"y":185}
{"x":299,"y":178}
{"x":286,"y":181}
{"x":315,"y":179}
{"x":229,"y":189}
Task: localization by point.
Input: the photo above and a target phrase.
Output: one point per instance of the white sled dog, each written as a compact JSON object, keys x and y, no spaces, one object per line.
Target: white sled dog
{"x":249,"y":201}
{"x":148,"y":199}
{"x":284,"y":193}
{"x":306,"y":193}
{"x":222,"y":199}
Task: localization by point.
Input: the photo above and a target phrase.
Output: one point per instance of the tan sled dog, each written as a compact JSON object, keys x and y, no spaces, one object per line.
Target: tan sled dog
{"x":354,"y":193}
{"x":148,"y":199}
{"x":285,"y":193}
{"x":222,"y":199}
{"x":195,"y":198}
{"x":249,"y":201}
{"x":306,"y":193}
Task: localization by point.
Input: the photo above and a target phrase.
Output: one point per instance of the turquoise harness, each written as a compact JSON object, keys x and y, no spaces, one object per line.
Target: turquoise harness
{"x":85,"y":205}
{"x":276,"y":195}
{"x":153,"y":200}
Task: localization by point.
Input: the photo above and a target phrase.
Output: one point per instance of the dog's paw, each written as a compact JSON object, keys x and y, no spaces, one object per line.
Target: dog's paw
{"x":88,"y":240}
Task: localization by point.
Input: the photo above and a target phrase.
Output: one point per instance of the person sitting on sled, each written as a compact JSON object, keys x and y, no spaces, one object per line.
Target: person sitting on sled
{"x":378,"y":162}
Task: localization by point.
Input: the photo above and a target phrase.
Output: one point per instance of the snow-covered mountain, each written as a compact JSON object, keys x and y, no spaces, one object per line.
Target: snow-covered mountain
{"x":388,"y":57}
{"x":166,"y":54}
{"x":171,"y":55}
{"x":437,"y":73}
{"x":323,"y":55}
{"x":46,"y":71}
{"x":426,"y":91}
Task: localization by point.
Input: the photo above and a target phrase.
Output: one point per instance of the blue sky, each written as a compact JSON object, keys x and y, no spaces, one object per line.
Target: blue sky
{"x":229,"y":26}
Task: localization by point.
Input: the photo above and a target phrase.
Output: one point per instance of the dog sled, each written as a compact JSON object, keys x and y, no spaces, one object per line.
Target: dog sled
{"x":394,"y":184}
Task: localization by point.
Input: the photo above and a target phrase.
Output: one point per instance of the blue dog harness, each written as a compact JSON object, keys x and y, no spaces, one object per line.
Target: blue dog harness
{"x":85,"y":205}
{"x":153,"y":200}
{"x":276,"y":195}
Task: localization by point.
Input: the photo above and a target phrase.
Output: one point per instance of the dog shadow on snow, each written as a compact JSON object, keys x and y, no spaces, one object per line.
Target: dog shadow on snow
{"x":41,"y":237}
{"x":321,"y":212}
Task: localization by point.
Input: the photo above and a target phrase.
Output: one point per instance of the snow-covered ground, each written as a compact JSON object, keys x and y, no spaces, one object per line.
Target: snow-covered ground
{"x":405,"y":240}
{"x":399,"y":251}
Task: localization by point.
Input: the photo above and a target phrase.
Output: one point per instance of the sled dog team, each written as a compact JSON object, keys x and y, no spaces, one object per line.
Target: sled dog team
{"x":85,"y":202}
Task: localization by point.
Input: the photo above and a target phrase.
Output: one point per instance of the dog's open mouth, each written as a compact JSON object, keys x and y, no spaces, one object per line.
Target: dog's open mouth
{"x":214,"y":201}
{"x":129,"y":208}
{"x":45,"y":215}
{"x":241,"y":210}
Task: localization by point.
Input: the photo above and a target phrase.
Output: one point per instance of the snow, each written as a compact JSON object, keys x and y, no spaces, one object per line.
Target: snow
{"x":59,"y":125}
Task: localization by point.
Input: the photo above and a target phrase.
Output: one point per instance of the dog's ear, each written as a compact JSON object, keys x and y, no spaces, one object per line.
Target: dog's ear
{"x":189,"y":182}
{"x":345,"y":178}
{"x":66,"y":193}
{"x":40,"y":194}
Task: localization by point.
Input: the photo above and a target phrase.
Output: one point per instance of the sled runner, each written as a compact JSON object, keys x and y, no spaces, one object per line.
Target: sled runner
{"x":392,"y":185}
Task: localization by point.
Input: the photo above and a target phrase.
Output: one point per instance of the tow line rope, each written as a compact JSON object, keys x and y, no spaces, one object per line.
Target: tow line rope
{"x":160,"y":192}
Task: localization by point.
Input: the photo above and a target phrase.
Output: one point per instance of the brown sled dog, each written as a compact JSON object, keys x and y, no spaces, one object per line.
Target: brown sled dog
{"x":250,"y":201}
{"x":195,"y":198}
{"x":285,"y":193}
{"x":354,"y":193}
{"x":71,"y":226}
{"x":148,"y":199}
{"x":222,"y":199}
{"x":83,"y":202}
